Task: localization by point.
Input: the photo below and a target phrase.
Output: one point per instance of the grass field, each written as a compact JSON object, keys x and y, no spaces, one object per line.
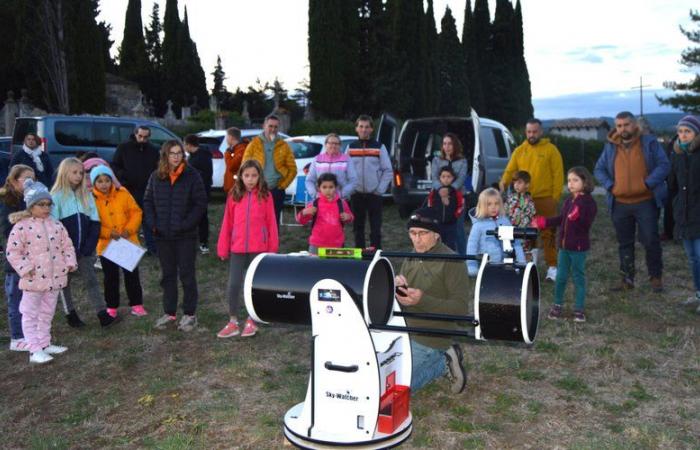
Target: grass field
{"x":627,"y":379}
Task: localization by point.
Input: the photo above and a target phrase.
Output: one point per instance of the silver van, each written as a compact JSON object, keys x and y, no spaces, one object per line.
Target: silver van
{"x":64,"y":136}
{"x":487,"y":146}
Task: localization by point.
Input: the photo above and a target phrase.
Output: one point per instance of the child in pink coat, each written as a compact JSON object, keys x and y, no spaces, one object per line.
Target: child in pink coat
{"x":248,"y":229}
{"x":42,"y":254}
{"x":327,"y":214}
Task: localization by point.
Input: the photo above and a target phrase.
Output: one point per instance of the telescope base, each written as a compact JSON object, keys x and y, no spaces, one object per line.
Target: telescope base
{"x":298,"y":438}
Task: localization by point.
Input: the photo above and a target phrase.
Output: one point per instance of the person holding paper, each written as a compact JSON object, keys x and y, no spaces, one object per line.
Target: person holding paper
{"x":120,"y":217}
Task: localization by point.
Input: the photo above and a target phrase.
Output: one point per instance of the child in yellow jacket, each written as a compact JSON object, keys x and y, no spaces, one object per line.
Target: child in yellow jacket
{"x":120,"y":218}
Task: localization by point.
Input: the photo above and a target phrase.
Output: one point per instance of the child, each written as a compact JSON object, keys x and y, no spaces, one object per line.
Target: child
{"x":520,"y":208}
{"x":327,"y":214}
{"x":574,"y":221}
{"x":11,"y":201}
{"x":488,"y":215}
{"x":249,"y":228}
{"x":41,"y":252}
{"x":448,"y":204}
{"x":120,"y":217}
{"x":74,"y":206}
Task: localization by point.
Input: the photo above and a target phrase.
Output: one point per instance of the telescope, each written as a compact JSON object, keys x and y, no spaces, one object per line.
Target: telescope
{"x":358,"y":392}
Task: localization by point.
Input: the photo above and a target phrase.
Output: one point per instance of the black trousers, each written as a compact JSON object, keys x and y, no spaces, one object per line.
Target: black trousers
{"x":364,"y":205}
{"x":204,"y":224}
{"x":177,"y":259}
{"x":132,"y":283}
{"x":278,"y":200}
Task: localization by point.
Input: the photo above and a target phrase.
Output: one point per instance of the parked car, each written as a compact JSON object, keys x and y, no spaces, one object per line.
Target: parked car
{"x":5,"y":155}
{"x":215,"y":141}
{"x":305,"y":149}
{"x":64,"y":136}
{"x":487,"y":146}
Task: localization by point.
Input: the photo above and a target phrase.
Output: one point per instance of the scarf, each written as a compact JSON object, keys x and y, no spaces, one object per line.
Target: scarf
{"x":36,"y":157}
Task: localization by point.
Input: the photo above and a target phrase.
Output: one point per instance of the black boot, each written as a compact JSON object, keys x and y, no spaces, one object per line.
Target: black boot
{"x":105,"y":319}
{"x":73,"y":320}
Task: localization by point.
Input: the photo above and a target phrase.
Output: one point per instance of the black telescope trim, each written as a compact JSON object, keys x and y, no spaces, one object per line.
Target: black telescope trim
{"x":440,"y":317}
{"x":446,"y":256}
{"x":420,"y":330}
{"x":338,"y":368}
{"x":518,"y":233}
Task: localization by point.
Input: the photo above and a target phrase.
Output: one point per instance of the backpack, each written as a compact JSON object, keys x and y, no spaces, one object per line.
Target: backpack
{"x":341,"y":210}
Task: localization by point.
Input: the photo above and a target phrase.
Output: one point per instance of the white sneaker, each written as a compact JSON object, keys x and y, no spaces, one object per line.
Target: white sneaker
{"x":19,"y":345}
{"x":552,"y":274}
{"x":55,"y":349}
{"x":40,"y":357}
{"x":187,"y":323}
{"x":98,"y":264}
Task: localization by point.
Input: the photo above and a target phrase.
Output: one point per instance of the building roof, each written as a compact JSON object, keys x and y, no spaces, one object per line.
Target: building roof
{"x":581,"y":123}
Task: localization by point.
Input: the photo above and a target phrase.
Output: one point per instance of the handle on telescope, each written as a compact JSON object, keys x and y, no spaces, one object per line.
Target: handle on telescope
{"x":338,"y":368}
{"x":518,"y":233}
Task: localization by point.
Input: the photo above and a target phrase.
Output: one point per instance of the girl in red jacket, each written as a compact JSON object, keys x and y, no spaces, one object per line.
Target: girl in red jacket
{"x":248,"y":229}
{"x":327,"y":214}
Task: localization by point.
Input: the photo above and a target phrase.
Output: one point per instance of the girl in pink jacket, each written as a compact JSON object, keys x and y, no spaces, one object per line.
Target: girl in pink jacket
{"x":248,"y":229}
{"x":42,"y":254}
{"x":327,"y":214}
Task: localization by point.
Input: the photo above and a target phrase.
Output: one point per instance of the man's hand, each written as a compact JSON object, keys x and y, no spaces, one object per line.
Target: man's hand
{"x":412,"y":297}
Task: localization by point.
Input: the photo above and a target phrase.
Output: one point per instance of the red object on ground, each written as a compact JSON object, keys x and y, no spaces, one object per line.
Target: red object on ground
{"x":393,"y":408}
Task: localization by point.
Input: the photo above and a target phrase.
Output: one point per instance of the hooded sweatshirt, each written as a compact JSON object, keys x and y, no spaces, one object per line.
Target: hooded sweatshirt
{"x":479,"y":242}
{"x":249,"y":226}
{"x":544,"y":164}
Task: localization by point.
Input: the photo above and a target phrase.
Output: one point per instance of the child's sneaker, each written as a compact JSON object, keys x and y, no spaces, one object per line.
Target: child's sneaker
{"x":19,"y":345}
{"x":187,"y":323}
{"x":250,"y":328}
{"x":139,"y":311}
{"x":55,"y":349}
{"x":230,"y":330}
{"x":73,"y":320}
{"x":40,"y":357}
{"x":579,"y":316}
{"x":106,"y":318}
{"x":555,"y":312}
{"x":112,"y":312}
{"x":164,"y":321}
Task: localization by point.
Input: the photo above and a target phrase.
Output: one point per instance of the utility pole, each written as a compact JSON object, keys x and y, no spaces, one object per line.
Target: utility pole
{"x":641,"y":95}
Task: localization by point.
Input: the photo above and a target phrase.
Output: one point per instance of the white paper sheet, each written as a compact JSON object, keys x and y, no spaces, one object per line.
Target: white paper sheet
{"x":124,"y":253}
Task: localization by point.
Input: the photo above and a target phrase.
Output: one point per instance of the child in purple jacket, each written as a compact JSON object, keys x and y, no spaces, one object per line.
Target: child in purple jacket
{"x":574,"y":224}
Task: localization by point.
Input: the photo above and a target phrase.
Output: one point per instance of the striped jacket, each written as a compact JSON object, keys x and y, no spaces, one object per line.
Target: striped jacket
{"x":372,"y":165}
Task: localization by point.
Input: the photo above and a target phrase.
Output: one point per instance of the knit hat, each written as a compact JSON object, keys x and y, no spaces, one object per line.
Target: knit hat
{"x":691,"y":122}
{"x":424,"y":218}
{"x":100,"y":170}
{"x":34,"y":191}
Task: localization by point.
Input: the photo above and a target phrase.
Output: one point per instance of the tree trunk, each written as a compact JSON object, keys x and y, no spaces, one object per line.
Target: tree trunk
{"x":55,"y":76}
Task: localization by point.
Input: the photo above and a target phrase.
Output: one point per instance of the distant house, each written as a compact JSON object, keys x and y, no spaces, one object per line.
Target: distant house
{"x":581,"y":128}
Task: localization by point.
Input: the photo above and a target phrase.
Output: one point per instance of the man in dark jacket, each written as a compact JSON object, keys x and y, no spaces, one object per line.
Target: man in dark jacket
{"x":633,"y":169}
{"x":200,"y":159}
{"x":133,"y":163}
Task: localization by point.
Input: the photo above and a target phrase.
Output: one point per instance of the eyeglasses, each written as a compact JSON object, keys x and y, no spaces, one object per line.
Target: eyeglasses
{"x":418,"y":234}
{"x":44,"y":204}
{"x":175,"y":154}
{"x":333,"y":143}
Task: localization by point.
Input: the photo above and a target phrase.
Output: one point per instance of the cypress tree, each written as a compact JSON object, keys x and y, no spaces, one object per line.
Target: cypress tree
{"x":483,"y":47}
{"x":468,"y":43}
{"x":326,"y":71}
{"x":133,"y":61}
{"x":429,"y":39}
{"x":11,"y":77}
{"x":454,"y":93}
{"x":350,"y":48}
{"x":84,"y":58}
{"x":193,"y":82}
{"x":524,"y":92}
{"x":154,"y":51}
{"x":376,"y":56}
{"x":503,"y":89}
{"x":171,"y":66}
{"x":219,"y":90}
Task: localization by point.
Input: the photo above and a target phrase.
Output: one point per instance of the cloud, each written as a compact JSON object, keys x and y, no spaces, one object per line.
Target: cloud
{"x":604,"y":47}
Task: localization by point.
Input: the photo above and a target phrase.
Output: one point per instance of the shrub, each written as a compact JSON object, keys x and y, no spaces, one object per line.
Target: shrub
{"x":307,"y":127}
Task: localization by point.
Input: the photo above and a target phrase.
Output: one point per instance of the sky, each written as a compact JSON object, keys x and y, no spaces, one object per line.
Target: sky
{"x":575,"y":50}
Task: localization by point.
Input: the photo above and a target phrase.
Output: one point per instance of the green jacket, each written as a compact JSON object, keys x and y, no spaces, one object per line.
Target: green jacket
{"x":445,"y":290}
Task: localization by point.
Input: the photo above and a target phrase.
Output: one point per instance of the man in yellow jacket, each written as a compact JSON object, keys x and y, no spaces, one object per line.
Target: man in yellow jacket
{"x":276,"y":158}
{"x":542,"y":160}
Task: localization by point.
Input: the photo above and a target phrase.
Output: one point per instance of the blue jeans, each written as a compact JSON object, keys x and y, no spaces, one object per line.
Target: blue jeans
{"x":574,"y":262}
{"x":629,"y":219}
{"x":14,"y":296}
{"x":692,"y":249}
{"x":428,"y":364}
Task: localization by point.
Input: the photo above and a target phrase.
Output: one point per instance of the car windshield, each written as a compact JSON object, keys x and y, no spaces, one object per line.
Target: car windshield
{"x":305,"y":149}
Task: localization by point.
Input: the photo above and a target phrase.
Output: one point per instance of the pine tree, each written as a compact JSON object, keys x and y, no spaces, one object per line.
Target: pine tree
{"x":326,"y":65}
{"x":525,"y":110}
{"x":219,"y":75}
{"x":689,"y":100}
{"x":454,"y":93}
{"x":133,"y":61}
{"x":471,"y":61}
{"x":483,"y":47}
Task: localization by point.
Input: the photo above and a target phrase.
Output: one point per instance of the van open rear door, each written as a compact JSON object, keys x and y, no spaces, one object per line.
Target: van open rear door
{"x":387,"y":133}
{"x":478,"y":167}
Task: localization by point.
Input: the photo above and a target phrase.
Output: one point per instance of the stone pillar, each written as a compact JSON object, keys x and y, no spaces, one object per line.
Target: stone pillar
{"x":25,"y":105}
{"x":170,"y":117}
{"x":213,"y":103}
{"x":10,"y":113}
{"x":220,"y":121}
{"x":245,"y":115}
{"x":186,"y":112}
{"x":139,"y":110}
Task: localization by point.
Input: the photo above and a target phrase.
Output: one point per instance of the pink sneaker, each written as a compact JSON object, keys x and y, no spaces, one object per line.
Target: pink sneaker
{"x":250,"y":328}
{"x":112,"y":312}
{"x":139,"y":311}
{"x":230,"y":330}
